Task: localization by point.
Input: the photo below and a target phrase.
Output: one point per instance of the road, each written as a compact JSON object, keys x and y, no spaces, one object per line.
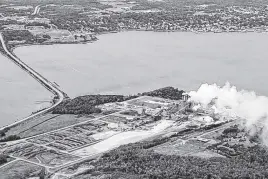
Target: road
{"x":47,"y":84}
{"x":36,"y":10}
{"x":56,"y":171}
{"x":209,"y":131}
{"x":2,"y":166}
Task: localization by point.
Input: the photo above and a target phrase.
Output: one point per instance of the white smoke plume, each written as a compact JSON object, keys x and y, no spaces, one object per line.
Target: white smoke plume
{"x":247,"y":105}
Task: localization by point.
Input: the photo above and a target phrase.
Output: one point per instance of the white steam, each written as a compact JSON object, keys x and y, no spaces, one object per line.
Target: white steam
{"x":228,"y":100}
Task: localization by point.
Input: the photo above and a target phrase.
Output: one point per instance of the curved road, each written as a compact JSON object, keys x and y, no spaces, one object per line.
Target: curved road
{"x":47,"y":84}
{"x":36,"y":10}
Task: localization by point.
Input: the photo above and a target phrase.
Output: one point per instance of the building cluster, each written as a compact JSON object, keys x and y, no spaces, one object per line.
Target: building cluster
{"x":169,"y":21}
{"x":204,"y":19}
{"x":84,"y":22}
{"x":144,"y":112}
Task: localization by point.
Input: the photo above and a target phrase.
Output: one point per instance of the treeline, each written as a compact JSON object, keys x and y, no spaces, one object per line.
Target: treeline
{"x":19,"y":35}
{"x":167,"y":93}
{"x":9,"y":138}
{"x":25,"y":35}
{"x":87,"y":104}
{"x":136,"y":162}
{"x":3,"y":159}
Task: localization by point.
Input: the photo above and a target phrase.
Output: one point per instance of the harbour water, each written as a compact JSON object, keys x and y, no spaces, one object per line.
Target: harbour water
{"x":132,"y":62}
{"x":20,"y":94}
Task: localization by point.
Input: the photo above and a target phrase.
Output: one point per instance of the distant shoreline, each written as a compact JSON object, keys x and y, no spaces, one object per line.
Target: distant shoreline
{"x":131,"y":30}
{"x":58,"y":43}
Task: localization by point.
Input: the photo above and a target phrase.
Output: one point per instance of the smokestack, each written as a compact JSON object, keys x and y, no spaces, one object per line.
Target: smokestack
{"x":185,"y":96}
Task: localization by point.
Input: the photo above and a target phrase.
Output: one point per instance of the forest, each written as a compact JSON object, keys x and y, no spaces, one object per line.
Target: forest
{"x":18,"y":35}
{"x":167,"y":93}
{"x":9,"y":138}
{"x":140,"y":161}
{"x":3,"y":159}
{"x":87,"y":104}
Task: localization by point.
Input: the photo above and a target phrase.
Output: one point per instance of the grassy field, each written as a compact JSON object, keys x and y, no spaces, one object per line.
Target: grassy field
{"x":20,"y":169}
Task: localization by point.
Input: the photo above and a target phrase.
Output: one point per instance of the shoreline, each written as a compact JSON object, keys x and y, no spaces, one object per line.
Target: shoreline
{"x":59,"y":96}
{"x":92,"y":41}
{"x":132,"y":30}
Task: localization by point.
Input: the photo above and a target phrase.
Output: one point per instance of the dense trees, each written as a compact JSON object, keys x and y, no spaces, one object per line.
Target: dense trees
{"x":167,"y":92}
{"x":10,"y":138}
{"x":87,"y":104}
{"x":134,"y":160}
{"x":19,"y":35}
{"x":3,"y":159}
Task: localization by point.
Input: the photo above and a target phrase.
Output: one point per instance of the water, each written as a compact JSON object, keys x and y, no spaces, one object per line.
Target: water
{"x":20,"y":94}
{"x":132,"y":62}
